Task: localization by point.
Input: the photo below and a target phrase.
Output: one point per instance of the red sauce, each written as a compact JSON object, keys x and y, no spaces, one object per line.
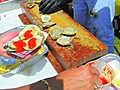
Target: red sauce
{"x":19,"y":45}
{"x":91,"y":63}
{"x":104,"y":81}
{"x":28,"y":34}
{"x":32,"y":43}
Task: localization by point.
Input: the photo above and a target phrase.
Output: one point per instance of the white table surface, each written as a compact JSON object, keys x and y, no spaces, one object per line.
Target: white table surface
{"x":44,"y":68}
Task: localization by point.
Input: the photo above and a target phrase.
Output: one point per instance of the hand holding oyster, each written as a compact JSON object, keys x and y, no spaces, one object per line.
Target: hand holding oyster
{"x":29,"y":39}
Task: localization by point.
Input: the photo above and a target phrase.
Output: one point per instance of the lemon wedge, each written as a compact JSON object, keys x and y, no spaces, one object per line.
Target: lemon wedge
{"x":117,"y":83}
{"x":3,"y":69}
{"x":41,"y":50}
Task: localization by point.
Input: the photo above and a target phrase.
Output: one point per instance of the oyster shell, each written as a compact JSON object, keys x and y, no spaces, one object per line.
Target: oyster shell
{"x":64,"y":40}
{"x":10,"y":47}
{"x":55,"y":32}
{"x":29,"y":31}
{"x":69,"y":31}
{"x":45,"y":18}
{"x":48,"y":24}
{"x":30,"y":4}
{"x":34,"y":42}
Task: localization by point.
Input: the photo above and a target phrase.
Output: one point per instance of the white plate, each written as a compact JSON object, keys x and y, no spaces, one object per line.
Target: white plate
{"x":41,"y":70}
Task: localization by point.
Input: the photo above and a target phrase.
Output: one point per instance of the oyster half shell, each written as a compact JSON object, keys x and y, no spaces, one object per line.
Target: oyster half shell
{"x":69,"y":31}
{"x":48,"y":24}
{"x":29,"y":31}
{"x":30,"y":4}
{"x":64,"y":41}
{"x":10,"y":47}
{"x":33,"y":42}
{"x":55,"y":32}
{"x":45,"y":18}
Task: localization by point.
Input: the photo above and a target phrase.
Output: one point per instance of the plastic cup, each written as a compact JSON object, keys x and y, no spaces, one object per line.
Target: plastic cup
{"x":106,"y":73}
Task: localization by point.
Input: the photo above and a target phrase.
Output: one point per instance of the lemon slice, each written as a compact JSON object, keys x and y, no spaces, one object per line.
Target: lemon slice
{"x":117,"y":83}
{"x":3,"y":69}
{"x":41,"y":50}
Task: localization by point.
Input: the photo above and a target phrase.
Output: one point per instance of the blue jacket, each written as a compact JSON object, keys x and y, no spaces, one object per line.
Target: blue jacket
{"x":96,"y":16}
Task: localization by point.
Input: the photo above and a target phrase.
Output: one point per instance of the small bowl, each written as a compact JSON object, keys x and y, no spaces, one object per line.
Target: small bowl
{"x":106,"y":73}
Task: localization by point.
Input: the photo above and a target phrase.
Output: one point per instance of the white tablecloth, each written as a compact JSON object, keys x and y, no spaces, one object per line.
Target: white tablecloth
{"x":41,"y":70}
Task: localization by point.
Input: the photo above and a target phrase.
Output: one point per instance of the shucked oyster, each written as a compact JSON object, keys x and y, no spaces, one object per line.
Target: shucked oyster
{"x":48,"y":24}
{"x":29,"y":31}
{"x":34,"y":42}
{"x":69,"y":31}
{"x":64,"y":40}
{"x":15,"y":46}
{"x":45,"y":18}
{"x":55,"y":32}
{"x":30,"y":4}
{"x":10,"y":47}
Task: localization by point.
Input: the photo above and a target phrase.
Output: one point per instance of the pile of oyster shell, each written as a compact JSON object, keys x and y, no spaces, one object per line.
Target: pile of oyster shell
{"x":46,"y":21}
{"x":29,"y":33}
{"x":62,"y":36}
{"x":31,"y":3}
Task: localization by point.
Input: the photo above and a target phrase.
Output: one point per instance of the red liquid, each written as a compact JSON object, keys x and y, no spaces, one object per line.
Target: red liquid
{"x":104,"y":81}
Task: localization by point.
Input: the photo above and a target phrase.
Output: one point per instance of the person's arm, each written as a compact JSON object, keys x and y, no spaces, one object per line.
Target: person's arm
{"x":50,"y":6}
{"x":6,"y":37}
{"x":82,"y":78}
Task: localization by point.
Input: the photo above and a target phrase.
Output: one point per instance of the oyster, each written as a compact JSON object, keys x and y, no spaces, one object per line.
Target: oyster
{"x":15,"y":46}
{"x":10,"y":47}
{"x":29,"y":31}
{"x":69,"y":31}
{"x":64,"y":40}
{"x":48,"y":24}
{"x":34,"y":42}
{"x":45,"y":18}
{"x":30,"y":4}
{"x":55,"y":32}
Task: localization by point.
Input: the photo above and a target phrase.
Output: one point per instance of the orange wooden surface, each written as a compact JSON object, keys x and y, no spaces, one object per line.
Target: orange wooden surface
{"x":84,"y":48}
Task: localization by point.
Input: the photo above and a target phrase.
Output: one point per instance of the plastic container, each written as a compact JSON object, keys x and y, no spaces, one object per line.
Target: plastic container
{"x":27,"y":63}
{"x":106,"y":73}
{"x":114,"y":61}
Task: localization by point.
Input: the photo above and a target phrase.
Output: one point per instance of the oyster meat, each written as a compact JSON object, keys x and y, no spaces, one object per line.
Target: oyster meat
{"x":48,"y":24}
{"x":29,"y":38}
{"x":45,"y":18}
{"x":34,"y":42}
{"x":55,"y":32}
{"x":29,"y":31}
{"x":30,"y":4}
{"x":69,"y":31}
{"x":10,"y":47}
{"x":64,"y":41}
{"x":15,"y":46}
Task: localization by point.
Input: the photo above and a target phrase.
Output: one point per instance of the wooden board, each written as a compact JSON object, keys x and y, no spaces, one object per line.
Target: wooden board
{"x":84,"y":48}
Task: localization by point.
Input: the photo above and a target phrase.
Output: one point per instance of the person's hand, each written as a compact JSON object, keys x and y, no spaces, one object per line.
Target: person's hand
{"x":50,"y":6}
{"x":4,"y":38}
{"x":82,"y":78}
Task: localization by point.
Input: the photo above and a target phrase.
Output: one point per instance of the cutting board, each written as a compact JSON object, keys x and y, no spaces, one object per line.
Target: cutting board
{"x":85,"y":46}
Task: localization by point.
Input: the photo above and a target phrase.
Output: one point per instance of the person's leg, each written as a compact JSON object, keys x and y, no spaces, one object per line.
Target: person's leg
{"x":81,"y":14}
{"x":102,"y":23}
{"x":104,"y":29}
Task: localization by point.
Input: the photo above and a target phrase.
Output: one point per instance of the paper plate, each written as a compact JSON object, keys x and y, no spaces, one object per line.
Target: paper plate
{"x":41,"y":70}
